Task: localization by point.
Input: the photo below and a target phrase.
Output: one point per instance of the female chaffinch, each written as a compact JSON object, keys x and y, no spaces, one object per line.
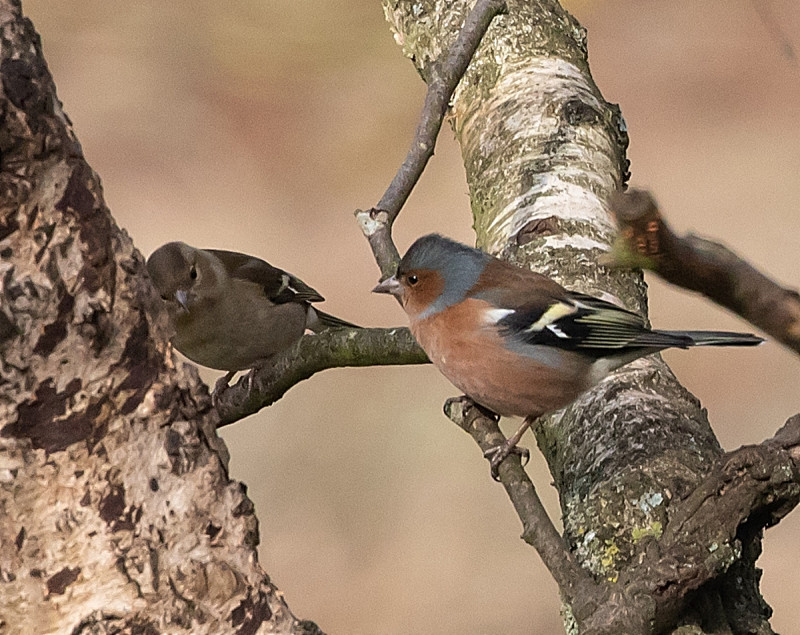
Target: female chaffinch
{"x":231,"y":311}
{"x":515,"y":341}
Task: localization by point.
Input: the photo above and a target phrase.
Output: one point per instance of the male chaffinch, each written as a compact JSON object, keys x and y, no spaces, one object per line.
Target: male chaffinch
{"x":515,"y":341}
{"x":231,"y":311}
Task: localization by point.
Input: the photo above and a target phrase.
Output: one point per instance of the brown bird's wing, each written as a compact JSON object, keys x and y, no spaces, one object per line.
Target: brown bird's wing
{"x":279,"y":286}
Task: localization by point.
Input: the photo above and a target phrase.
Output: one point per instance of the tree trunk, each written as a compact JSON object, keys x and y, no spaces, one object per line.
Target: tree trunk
{"x":543,"y":151}
{"x":117,"y":511}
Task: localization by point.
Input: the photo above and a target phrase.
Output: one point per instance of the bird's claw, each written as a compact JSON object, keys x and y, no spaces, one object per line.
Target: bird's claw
{"x":499,"y":453}
{"x":250,"y":380}
{"x":220,"y":387}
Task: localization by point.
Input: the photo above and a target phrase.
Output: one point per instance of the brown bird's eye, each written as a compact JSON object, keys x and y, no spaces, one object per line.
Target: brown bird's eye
{"x":165,"y":297}
{"x":412,"y":279}
{"x":193,"y":273}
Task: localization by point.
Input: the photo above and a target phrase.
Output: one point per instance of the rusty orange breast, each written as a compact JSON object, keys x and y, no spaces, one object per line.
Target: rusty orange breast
{"x":467,"y":347}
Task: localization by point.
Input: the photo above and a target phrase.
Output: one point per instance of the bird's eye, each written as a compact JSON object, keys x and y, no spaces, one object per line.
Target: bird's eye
{"x":193,"y":273}
{"x":165,"y":297}
{"x":412,"y":279}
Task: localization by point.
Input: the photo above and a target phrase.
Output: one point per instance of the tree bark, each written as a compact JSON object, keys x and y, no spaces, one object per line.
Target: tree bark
{"x":117,"y":511}
{"x":543,"y":152}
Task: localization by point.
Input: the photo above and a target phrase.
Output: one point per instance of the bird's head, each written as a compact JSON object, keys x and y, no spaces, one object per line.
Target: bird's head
{"x":435,"y":273}
{"x":181,"y":274}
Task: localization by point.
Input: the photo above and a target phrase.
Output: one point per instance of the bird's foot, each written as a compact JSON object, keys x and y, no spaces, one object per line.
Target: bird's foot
{"x":499,"y":453}
{"x":221,"y":386}
{"x":251,"y":375}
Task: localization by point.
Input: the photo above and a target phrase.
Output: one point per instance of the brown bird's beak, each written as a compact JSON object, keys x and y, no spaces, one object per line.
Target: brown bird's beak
{"x":390,"y":285}
{"x":182,"y":298}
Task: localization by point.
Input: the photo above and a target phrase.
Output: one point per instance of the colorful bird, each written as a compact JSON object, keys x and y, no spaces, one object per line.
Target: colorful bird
{"x":515,"y":341}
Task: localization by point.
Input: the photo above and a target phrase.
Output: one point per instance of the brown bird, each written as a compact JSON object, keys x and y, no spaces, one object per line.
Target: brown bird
{"x":231,"y":311}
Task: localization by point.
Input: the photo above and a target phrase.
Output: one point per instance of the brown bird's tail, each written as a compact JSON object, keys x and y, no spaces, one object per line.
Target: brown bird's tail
{"x":321,"y":321}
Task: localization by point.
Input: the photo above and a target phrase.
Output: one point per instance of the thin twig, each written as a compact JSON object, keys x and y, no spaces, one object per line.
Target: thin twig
{"x":647,"y":242}
{"x":576,"y":584}
{"x":376,"y":223}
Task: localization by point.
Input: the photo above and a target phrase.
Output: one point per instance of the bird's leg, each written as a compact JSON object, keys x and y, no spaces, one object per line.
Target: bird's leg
{"x":251,"y":375}
{"x":221,"y":386}
{"x":498,"y":453}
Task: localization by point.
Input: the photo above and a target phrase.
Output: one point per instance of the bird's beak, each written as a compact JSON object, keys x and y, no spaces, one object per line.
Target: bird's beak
{"x":390,"y":285}
{"x":182,"y":298}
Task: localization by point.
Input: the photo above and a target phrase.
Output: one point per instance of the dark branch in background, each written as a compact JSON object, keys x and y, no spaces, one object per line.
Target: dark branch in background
{"x":376,"y":223}
{"x":647,"y":242}
{"x":764,"y":8}
{"x":334,"y":348}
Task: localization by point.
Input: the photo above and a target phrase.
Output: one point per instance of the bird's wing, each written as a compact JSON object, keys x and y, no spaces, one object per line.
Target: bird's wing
{"x":579,"y":322}
{"x":506,"y":286}
{"x":279,"y":286}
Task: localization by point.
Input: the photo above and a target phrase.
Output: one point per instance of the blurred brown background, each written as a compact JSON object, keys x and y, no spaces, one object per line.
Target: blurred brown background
{"x":260,"y":126}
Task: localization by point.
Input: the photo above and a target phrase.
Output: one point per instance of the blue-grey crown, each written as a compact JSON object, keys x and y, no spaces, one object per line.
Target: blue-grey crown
{"x":460,"y":265}
{"x":435,"y":251}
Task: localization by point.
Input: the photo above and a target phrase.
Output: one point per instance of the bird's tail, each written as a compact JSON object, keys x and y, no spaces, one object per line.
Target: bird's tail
{"x":716,"y":338}
{"x":327,"y":321}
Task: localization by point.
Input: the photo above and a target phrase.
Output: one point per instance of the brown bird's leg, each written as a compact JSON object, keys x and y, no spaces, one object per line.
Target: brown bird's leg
{"x":251,"y":375}
{"x":222,"y":383}
{"x":498,"y":454}
{"x":221,"y":386}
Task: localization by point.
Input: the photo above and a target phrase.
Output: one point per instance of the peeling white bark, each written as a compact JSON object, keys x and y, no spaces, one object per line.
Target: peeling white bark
{"x":576,"y":241}
{"x":521,"y":124}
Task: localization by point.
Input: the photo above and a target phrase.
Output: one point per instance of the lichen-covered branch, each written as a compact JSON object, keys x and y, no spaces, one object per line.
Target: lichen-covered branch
{"x":746,"y":491}
{"x":334,"y":348}
{"x":646,"y":241}
{"x":117,"y":511}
